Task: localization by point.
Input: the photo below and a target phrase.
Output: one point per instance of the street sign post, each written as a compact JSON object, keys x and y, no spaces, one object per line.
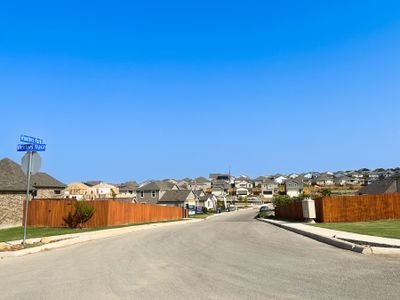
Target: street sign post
{"x":30,"y":164}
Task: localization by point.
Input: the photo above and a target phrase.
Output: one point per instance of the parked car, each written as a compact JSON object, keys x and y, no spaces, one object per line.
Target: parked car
{"x":266,"y":208}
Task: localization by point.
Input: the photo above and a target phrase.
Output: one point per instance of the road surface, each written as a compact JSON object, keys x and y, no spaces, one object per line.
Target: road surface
{"x":229,"y":256}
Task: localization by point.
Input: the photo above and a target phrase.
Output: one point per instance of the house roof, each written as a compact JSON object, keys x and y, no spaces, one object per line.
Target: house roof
{"x":104,"y":185}
{"x":380,"y":186}
{"x":201,"y":180}
{"x":157,"y":185}
{"x":44,"y":180}
{"x":13,"y":179}
{"x":243,"y":178}
{"x":77,"y":186}
{"x":92,"y":182}
{"x":175,"y":196}
{"x":11,"y":176}
{"x":206,"y":197}
{"x":129,"y":185}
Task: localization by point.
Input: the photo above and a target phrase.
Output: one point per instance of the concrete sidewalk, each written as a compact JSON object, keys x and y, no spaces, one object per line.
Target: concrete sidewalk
{"x":360,"y":243}
{"x":58,"y":241}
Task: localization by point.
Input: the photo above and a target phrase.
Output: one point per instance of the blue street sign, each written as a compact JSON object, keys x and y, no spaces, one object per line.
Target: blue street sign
{"x":31,"y":147}
{"x":30,"y":140}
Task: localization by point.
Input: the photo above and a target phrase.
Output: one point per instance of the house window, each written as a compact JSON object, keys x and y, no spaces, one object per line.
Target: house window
{"x":141,"y":194}
{"x":57,"y":192}
{"x":153,"y":194}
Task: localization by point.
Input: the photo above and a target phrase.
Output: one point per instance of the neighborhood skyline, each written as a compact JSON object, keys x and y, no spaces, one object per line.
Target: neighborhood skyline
{"x":140,"y":90}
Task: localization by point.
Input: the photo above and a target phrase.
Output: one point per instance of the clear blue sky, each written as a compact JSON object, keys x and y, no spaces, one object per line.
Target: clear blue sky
{"x":123,"y":90}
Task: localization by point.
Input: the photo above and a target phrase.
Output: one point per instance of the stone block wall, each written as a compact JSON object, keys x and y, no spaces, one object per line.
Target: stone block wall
{"x":11,"y":208}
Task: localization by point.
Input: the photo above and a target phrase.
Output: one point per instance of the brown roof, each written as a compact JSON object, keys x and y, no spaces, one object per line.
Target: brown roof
{"x":13,"y":179}
{"x":11,"y":176}
{"x":44,"y":180}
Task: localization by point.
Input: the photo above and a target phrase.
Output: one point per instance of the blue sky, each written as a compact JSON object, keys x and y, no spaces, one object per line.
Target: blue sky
{"x":123,"y":90}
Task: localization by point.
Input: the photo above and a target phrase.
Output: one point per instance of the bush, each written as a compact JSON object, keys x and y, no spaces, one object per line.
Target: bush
{"x":83,"y":213}
{"x":265,"y":214}
{"x":205,"y":210}
{"x":285,"y":199}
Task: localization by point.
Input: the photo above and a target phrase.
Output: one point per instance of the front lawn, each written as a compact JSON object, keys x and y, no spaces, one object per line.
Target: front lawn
{"x":383,"y":228}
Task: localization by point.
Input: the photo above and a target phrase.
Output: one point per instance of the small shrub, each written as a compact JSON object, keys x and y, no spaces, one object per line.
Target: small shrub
{"x":285,"y":199}
{"x":83,"y":213}
{"x":205,"y":210}
{"x":265,"y":214}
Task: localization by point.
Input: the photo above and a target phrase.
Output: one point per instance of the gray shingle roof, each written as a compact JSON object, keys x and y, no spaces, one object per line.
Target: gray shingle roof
{"x":129,"y":185}
{"x":175,"y":196}
{"x":381,"y":186}
{"x":156,"y":186}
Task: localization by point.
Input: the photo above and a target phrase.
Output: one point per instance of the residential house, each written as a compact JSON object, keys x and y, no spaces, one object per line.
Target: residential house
{"x":180,"y":198}
{"x":220,"y":187}
{"x":243,"y":185}
{"x":346,"y":180}
{"x":221,"y":184}
{"x":79,"y":191}
{"x":13,"y":185}
{"x":208,"y":201}
{"x":324,"y":179}
{"x":293,"y":187}
{"x":269,"y":188}
{"x":278,"y":178}
{"x":105,"y":191}
{"x":305,"y":180}
{"x":152,"y":192}
{"x":384,"y":186}
{"x":200,"y":183}
{"x":259,"y":180}
{"x":293,"y":176}
{"x":127,"y":190}
{"x":183,"y":184}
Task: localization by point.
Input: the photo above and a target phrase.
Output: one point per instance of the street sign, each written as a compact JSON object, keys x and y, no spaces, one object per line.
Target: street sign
{"x":36,"y":163}
{"x":30,"y":164}
{"x":31,"y":147}
{"x":30,"y":139}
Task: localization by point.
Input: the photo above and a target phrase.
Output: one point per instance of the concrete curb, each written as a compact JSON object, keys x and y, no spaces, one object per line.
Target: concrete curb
{"x":71,"y":239}
{"x":325,"y":239}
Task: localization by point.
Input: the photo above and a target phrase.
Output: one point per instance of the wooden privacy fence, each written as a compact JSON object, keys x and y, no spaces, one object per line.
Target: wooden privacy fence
{"x":358,"y":208}
{"x":50,"y":213}
{"x":292,"y":211}
{"x":346,"y":208}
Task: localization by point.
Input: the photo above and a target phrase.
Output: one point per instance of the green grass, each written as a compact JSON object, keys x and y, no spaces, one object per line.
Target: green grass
{"x":17,"y":233}
{"x":383,"y":228}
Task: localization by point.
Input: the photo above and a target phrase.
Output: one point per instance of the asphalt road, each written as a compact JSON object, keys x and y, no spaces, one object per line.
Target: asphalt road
{"x":230,"y":256}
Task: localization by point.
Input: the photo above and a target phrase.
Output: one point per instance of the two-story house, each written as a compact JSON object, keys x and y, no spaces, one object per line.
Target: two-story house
{"x":293,"y":187}
{"x":152,"y":192}
{"x":269,"y":188}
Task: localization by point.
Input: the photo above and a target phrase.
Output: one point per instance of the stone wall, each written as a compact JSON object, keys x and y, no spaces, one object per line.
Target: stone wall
{"x":49,"y":194}
{"x":11,"y":208}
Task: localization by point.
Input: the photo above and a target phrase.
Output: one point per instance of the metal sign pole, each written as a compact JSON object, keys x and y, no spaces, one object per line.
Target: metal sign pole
{"x":27,"y":195}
